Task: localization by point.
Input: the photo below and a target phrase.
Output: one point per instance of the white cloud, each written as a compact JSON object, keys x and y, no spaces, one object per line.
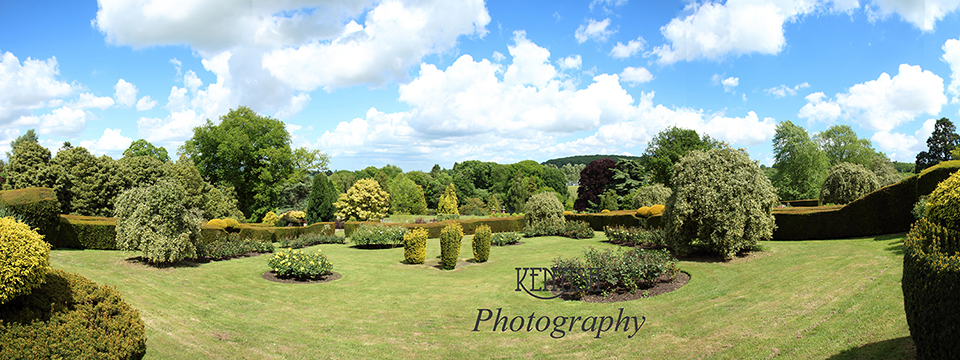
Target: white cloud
{"x":498,"y":57}
{"x":146,"y":103}
{"x":296,"y":105}
{"x":594,"y":30}
{"x":88,"y":100}
{"x":714,"y":31}
{"x":633,"y":47}
{"x":636,"y":75}
{"x":571,"y":62}
{"x":531,"y":63}
{"x":784,"y":91}
{"x":902,"y":147}
{"x":884,"y":103}
{"x":110,"y":143}
{"x":730,"y":83}
{"x":65,"y":121}
{"x":922,"y":14}
{"x":606,"y":4}
{"x":28,"y":86}
{"x":951,"y":55}
{"x":393,"y":37}
{"x":126,"y":93}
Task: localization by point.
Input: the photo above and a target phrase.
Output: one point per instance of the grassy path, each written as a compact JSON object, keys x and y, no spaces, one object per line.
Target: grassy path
{"x":806,"y":299}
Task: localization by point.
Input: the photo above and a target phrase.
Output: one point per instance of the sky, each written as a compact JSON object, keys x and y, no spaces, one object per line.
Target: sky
{"x":421,"y":82}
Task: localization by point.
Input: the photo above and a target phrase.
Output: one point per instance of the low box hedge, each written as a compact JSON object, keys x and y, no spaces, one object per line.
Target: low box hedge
{"x":625,"y":218}
{"x":88,"y":232}
{"x":39,"y":207}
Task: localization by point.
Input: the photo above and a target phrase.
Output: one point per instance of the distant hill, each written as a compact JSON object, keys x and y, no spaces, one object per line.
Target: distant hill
{"x":586,"y":159}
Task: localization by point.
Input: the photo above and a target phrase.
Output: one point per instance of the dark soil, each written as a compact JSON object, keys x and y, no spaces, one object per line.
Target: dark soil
{"x":663,"y":286}
{"x":272,"y":276}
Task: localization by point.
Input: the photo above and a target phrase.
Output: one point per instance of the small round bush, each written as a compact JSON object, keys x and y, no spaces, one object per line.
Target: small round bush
{"x":656,"y":210}
{"x":155,"y":221}
{"x":296,"y":264}
{"x":943,"y":204}
{"x":847,"y":182}
{"x":71,"y":317}
{"x":231,"y":224}
{"x":604,"y":211}
{"x":218,"y":223}
{"x":481,"y":243}
{"x":450,"y":238}
{"x":650,"y":195}
{"x":23,"y":259}
{"x":722,"y":202}
{"x":271,"y":218}
{"x":544,"y":209}
{"x":415,"y":246}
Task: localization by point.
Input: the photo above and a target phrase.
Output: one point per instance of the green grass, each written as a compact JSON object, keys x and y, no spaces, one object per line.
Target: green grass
{"x":804,"y":299}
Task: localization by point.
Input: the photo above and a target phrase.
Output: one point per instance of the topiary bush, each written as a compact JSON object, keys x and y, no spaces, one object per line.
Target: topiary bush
{"x":847,"y":182}
{"x":38,"y":207}
{"x":450,"y":238}
{"x":943,"y":204}
{"x":23,"y":259}
{"x":615,"y":269}
{"x":231,"y":224}
{"x":931,"y":289}
{"x":293,"y":218}
{"x":271,"y":218}
{"x":544,"y":209}
{"x":722,"y":203}
{"x":448,"y":202}
{"x":656,"y":210}
{"x":481,"y":243}
{"x":650,"y":195}
{"x":415,"y":246}
{"x":364,"y":200}
{"x":154,"y":221}
{"x":71,"y":317}
{"x":217,"y":223}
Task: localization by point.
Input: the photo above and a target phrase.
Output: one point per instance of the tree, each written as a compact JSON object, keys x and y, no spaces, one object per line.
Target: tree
{"x":722,"y":201}
{"x":943,"y":139}
{"x":156,"y":221}
{"x":841,"y":144}
{"x":593,"y":182}
{"x":142,"y":147}
{"x":448,"y":202}
{"x":322,"y":196}
{"x":627,"y":176}
{"x":210,"y":201}
{"x":31,"y":166}
{"x":544,"y":210}
{"x":846,"y":183}
{"x":364,"y":201}
{"x":307,"y":161}
{"x":343,"y":180}
{"x":884,"y":169}
{"x":80,"y":168}
{"x":801,"y":165}
{"x":668,"y":147}
{"x":650,"y":195}
{"x":29,"y":136}
{"x":608,"y":201}
{"x":572,"y":172}
{"x":141,"y":170}
{"x":521,"y":188}
{"x":248,"y":151}
{"x":406,"y":197}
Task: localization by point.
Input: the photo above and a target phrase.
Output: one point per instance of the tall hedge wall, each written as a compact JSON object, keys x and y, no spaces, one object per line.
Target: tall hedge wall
{"x":884,"y":211}
{"x":88,"y":232}
{"x":39,"y":207}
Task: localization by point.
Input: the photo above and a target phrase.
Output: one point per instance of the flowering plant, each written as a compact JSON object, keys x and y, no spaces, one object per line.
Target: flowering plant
{"x":297,"y":264}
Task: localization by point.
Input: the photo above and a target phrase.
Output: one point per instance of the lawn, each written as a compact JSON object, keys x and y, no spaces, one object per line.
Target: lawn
{"x":806,"y":299}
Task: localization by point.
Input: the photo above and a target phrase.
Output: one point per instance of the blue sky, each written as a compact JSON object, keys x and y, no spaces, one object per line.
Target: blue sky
{"x":417,"y":83}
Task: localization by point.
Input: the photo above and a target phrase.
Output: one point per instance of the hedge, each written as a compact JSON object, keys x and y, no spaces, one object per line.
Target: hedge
{"x":623,"y":218}
{"x":802,"y":203}
{"x":39,"y":207}
{"x":501,"y":224}
{"x":71,"y":317}
{"x":931,"y":289}
{"x":88,"y":232}
{"x":884,"y":211}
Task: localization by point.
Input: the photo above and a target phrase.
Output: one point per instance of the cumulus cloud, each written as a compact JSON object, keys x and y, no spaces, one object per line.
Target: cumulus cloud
{"x":730,"y":83}
{"x":594,"y":30}
{"x":884,"y":103}
{"x":571,"y":62}
{"x":65,"y":121}
{"x":922,"y":14}
{"x":25,"y":87}
{"x":784,"y":91}
{"x":633,"y":47}
{"x":110,"y":143}
{"x":126,"y":93}
{"x":88,"y":100}
{"x":636,"y":75}
{"x":146,"y":103}
{"x":468,"y":110}
{"x":904,"y":147}
{"x":951,"y":55}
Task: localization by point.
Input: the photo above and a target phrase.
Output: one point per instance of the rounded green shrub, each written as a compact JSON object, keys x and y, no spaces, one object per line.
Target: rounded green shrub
{"x":231,"y":224}
{"x":943,"y":204}
{"x":415,"y":246}
{"x":218,"y":223}
{"x":296,"y":264}
{"x":931,"y":289}
{"x":722,"y":203}
{"x":544,"y":210}
{"x":847,"y":182}
{"x":650,"y":195}
{"x":154,"y":221}
{"x":481,"y":243}
{"x":271,"y":218}
{"x":657,"y":210}
{"x":23,"y":259}
{"x":450,"y":238}
{"x":364,"y":200}
{"x":71,"y":317}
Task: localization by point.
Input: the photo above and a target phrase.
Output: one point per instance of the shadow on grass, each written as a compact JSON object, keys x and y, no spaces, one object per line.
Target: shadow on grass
{"x":899,"y":348}
{"x":139,"y":260}
{"x":376,"y":247}
{"x":894,"y":242}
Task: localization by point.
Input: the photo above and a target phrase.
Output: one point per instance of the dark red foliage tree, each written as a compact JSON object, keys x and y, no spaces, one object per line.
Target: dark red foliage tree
{"x":593,"y":181}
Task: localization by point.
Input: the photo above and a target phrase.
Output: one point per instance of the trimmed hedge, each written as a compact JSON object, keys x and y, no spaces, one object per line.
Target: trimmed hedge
{"x":88,"y":232}
{"x":931,"y":289}
{"x":802,"y":202}
{"x":884,"y":211}
{"x":502,"y":224}
{"x":71,"y":317}
{"x":625,"y":218}
{"x":39,"y":207}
